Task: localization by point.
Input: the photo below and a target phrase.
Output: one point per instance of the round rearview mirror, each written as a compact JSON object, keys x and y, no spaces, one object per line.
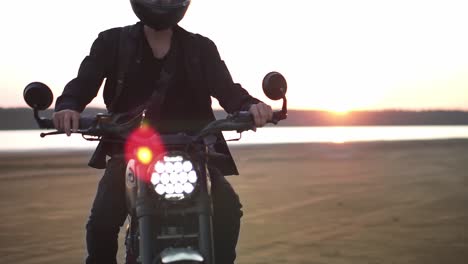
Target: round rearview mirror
{"x":38,"y":95}
{"x":274,"y":85}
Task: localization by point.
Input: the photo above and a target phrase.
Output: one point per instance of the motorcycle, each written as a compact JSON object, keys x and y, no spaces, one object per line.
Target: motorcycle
{"x":167,"y":176}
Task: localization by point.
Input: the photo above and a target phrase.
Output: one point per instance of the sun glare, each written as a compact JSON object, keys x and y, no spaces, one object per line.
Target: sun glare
{"x":340,"y":111}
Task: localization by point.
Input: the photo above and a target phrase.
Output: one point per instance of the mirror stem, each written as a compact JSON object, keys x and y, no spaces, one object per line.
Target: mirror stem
{"x":283,"y":114}
{"x":285,"y":106}
{"x":40,"y":121}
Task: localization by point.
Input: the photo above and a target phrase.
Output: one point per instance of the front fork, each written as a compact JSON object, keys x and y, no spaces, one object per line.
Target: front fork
{"x":145,"y":213}
{"x":205,"y":209}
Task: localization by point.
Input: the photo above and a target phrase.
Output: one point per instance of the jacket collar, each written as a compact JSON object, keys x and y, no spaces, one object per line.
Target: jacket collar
{"x":137,"y":30}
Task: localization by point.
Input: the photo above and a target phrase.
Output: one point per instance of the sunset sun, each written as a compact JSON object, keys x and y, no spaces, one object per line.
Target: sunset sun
{"x":340,"y":111}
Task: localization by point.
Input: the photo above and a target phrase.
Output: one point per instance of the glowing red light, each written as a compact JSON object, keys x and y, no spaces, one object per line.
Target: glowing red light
{"x":146,"y":138}
{"x":144,"y":155}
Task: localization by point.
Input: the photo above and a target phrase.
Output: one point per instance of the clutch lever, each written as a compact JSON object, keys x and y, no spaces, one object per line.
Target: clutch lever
{"x":59,"y":132}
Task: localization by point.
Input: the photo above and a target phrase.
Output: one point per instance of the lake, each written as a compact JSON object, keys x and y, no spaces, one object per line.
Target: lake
{"x":29,"y":140}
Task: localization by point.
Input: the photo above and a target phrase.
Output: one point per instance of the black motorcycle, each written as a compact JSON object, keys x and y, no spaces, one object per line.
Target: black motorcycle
{"x":167,"y":176}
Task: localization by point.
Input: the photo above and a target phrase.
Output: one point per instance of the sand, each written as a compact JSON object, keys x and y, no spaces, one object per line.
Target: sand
{"x":382,"y":202}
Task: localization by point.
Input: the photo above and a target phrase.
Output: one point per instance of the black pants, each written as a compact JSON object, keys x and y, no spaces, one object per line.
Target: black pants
{"x":109,"y":212}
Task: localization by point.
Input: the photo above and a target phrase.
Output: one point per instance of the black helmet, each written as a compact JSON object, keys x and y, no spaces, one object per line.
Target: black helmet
{"x":160,"y":14}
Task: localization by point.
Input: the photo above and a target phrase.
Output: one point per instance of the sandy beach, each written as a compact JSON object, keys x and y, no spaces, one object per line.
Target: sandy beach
{"x":380,"y":202}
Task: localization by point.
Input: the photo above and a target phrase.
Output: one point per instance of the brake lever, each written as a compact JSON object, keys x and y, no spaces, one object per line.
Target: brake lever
{"x":51,"y":133}
{"x":235,"y":139}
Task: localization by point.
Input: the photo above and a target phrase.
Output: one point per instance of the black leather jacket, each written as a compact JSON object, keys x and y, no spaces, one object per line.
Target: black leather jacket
{"x":205,"y":73}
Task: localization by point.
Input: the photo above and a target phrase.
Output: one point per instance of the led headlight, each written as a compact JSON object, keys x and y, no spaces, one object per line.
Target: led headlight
{"x":173,"y":176}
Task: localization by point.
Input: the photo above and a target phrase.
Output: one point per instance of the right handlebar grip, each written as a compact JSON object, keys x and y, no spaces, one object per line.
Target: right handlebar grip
{"x":277,"y":116}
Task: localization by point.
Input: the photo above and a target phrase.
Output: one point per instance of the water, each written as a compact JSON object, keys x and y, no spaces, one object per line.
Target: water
{"x":29,"y":140}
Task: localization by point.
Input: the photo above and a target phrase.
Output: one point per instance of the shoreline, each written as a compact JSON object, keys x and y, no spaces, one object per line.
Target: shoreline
{"x":79,"y":151}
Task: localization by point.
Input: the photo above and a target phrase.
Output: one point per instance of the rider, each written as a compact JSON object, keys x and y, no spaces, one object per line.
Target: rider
{"x":186,"y":70}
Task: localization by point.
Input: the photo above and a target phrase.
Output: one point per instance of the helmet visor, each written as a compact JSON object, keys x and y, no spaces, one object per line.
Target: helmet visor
{"x":168,"y":3}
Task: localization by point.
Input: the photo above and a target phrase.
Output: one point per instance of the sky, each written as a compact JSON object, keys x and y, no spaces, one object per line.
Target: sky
{"x":336,"y":55}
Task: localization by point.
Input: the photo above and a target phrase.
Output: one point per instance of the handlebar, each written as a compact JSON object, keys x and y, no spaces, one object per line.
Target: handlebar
{"x":107,"y":125}
{"x":85,"y":123}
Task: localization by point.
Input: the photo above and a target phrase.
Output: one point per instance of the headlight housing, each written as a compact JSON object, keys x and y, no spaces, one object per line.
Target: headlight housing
{"x":173,"y":176}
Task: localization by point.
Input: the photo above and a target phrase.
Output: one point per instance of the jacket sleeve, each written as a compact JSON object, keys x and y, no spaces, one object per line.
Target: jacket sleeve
{"x":231,"y":96}
{"x":94,"y":68}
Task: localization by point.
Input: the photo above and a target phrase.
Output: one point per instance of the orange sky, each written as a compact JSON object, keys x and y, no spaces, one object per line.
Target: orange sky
{"x":336,"y":55}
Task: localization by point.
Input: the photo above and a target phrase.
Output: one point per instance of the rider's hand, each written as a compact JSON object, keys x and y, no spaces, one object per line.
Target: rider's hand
{"x":66,"y":120}
{"x":261,"y":113}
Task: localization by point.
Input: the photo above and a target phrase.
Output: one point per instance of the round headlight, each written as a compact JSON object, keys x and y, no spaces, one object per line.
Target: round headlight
{"x":155,"y":178}
{"x":178,"y":166}
{"x":183,"y":177}
{"x":173,"y":176}
{"x":169,"y":167}
{"x":160,"y":189}
{"x":188,"y":188}
{"x":165,"y":178}
{"x":187,"y":166}
{"x":178,"y":188}
{"x":192,"y":176}
{"x":170,"y":188}
{"x":159,"y":167}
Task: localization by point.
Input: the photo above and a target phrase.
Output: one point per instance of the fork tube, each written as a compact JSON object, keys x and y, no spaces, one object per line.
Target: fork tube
{"x":205,"y":220}
{"x":144,"y":211}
